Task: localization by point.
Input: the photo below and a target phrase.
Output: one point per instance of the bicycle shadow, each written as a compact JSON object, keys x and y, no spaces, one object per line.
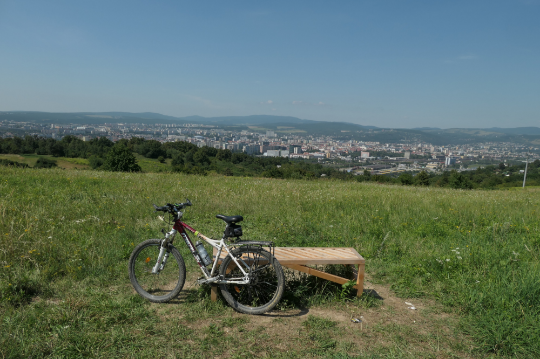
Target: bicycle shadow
{"x":184,"y":297}
{"x":286,"y":314}
{"x":187,"y":296}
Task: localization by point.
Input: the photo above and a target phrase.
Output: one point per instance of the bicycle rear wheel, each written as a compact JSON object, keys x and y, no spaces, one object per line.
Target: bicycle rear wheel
{"x":156,"y":287}
{"x":266,"y":285}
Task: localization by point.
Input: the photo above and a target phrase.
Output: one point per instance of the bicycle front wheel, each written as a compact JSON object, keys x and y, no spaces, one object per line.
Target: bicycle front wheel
{"x":266,"y":280}
{"x":156,"y":287}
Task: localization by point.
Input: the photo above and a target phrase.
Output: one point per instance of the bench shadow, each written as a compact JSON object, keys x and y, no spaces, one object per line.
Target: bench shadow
{"x":372,"y":293}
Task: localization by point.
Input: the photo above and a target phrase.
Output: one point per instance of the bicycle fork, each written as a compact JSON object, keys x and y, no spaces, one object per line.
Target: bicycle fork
{"x":163,"y":252}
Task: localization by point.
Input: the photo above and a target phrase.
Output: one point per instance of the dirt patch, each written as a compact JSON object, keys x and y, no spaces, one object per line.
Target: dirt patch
{"x":428,"y":330}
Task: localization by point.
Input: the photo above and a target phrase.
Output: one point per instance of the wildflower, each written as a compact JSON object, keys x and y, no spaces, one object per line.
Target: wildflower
{"x":458,"y":257}
{"x":448,"y":259}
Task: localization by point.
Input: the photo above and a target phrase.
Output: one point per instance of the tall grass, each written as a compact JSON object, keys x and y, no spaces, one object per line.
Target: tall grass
{"x":475,"y":251}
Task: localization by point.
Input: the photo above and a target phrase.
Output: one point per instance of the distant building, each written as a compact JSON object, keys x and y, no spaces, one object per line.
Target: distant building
{"x":432,"y":166}
{"x":296,"y":149}
{"x":251,"y":150}
{"x":272,"y":153}
{"x":449,"y":161}
{"x":364,"y":154}
{"x":277,"y":153}
{"x":407,"y":154}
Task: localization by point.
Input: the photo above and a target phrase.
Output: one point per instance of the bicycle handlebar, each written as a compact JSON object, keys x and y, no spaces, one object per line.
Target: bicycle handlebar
{"x":173,"y":208}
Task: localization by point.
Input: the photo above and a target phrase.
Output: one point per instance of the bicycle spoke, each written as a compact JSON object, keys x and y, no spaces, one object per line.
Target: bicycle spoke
{"x":265,"y":285}
{"x":161,"y":286}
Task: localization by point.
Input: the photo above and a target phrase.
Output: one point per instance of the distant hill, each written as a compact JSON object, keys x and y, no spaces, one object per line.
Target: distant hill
{"x":149,"y":117}
{"x":247,"y":120}
{"x":86,"y":117}
{"x":517,"y":130}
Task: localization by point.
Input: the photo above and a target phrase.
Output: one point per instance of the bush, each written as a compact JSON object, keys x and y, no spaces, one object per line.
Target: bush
{"x":121,"y":159}
{"x":95,"y":162}
{"x":406,"y":179}
{"x":459,"y":181}
{"x":44,"y":162}
{"x":422,"y":179}
{"x":4,"y":162}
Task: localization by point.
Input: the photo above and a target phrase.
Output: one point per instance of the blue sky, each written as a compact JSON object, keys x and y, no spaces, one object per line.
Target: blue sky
{"x":381,"y":63}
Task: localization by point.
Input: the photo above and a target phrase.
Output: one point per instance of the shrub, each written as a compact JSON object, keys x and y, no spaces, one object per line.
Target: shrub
{"x":121,"y":159}
{"x":44,"y":162}
{"x":95,"y":162}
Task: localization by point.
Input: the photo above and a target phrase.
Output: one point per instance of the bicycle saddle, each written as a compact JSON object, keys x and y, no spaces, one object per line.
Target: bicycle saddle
{"x":230,"y":219}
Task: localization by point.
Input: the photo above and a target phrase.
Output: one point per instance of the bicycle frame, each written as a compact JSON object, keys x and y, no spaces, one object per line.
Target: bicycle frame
{"x":211,"y":277}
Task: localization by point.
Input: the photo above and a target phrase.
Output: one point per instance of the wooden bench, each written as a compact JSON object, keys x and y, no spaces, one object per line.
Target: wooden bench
{"x":299,"y":258}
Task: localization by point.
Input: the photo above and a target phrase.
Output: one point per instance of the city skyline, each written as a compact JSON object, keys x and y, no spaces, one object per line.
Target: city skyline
{"x":385,"y":64}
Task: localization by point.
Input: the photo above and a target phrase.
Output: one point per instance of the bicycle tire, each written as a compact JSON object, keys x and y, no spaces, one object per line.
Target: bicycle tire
{"x":160,"y":287}
{"x":267,"y":281}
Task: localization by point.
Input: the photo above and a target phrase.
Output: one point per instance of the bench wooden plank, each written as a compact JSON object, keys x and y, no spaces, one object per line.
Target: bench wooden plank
{"x":320,"y":274}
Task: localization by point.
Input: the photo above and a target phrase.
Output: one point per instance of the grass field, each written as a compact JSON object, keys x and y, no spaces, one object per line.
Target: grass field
{"x":66,"y":236}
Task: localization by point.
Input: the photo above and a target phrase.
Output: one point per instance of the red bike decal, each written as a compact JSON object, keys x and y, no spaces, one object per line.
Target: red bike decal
{"x":179,"y":226}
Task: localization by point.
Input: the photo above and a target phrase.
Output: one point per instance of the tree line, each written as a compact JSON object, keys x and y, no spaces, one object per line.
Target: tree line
{"x":186,"y":157}
{"x":488,"y":177}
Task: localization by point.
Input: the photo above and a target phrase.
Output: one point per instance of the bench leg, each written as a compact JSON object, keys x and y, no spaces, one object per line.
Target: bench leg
{"x":213,"y":292}
{"x":360,"y":280}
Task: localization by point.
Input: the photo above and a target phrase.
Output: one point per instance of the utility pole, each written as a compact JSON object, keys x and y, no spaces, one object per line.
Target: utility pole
{"x":525,"y":174}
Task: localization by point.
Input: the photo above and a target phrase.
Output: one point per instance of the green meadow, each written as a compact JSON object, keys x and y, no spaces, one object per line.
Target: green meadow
{"x":66,"y":236}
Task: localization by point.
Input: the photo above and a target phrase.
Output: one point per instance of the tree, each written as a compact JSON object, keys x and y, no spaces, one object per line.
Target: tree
{"x":188,"y":157}
{"x":459,"y":181}
{"x":406,"y":179}
{"x":150,"y":149}
{"x":502,"y":166}
{"x":177,"y":160}
{"x":224,"y":155}
{"x":239,"y":157}
{"x":121,"y":159}
{"x":422,"y":179}
{"x":273,"y":172}
{"x":200,"y":157}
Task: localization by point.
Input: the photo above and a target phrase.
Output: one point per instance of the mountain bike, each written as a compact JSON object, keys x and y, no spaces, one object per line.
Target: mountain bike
{"x":251,"y":280}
